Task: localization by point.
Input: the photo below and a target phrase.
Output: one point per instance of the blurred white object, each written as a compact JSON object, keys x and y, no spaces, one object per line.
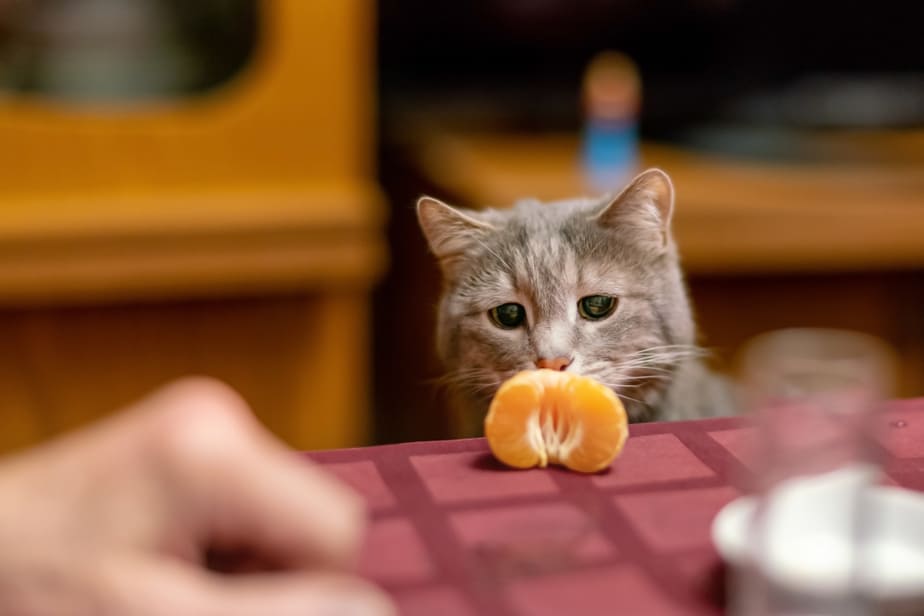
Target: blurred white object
{"x":815,"y":395}
{"x":808,"y":536}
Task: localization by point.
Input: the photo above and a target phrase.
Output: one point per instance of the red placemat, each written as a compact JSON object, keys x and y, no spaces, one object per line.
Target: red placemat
{"x":456,"y":534}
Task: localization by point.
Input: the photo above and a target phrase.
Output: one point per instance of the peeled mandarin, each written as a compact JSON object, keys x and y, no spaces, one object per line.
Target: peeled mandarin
{"x":542,"y":417}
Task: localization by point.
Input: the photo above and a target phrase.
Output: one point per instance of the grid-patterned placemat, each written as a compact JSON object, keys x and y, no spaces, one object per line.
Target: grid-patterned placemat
{"x":456,"y":534}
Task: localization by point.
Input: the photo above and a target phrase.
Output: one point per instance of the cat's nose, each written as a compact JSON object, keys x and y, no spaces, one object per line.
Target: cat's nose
{"x":556,"y":363}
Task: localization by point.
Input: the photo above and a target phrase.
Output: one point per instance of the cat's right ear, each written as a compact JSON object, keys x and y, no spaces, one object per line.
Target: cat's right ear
{"x":450,"y":231}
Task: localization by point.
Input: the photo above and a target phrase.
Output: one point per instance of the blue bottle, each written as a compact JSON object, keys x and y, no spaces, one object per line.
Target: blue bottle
{"x":610,"y":140}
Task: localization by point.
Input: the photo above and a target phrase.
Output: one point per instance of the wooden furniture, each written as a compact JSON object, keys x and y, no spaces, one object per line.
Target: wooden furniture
{"x":765,"y":245}
{"x":237,"y":233}
{"x":732,"y":216}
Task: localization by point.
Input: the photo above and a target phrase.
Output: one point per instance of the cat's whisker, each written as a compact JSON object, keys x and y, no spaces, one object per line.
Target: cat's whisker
{"x":623,"y":396}
{"x":690,"y":347}
{"x":673,"y":347}
{"x":658,"y":359}
{"x":640,"y":363}
{"x":628,"y":367}
{"x":454,"y":380}
{"x":664,"y":356}
{"x":476,"y":380}
{"x":464,"y":373}
{"x":645,"y":379}
{"x":667,"y":354}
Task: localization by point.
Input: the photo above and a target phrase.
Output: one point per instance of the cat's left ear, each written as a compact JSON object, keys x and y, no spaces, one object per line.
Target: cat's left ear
{"x":646,"y":203}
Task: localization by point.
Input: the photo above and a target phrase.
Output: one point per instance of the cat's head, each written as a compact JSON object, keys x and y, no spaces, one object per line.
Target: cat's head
{"x":589,"y":285}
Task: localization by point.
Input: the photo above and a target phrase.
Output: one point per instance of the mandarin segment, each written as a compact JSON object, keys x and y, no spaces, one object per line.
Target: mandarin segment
{"x":541,"y":417}
{"x":509,"y":430}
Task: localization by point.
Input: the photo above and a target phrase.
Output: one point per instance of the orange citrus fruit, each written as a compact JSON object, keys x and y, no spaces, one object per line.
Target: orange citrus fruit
{"x":542,"y":417}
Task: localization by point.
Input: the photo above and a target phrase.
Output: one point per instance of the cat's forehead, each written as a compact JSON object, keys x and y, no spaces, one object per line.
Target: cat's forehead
{"x":551,"y":227}
{"x":533,"y":211}
{"x":530,"y":219}
{"x":547,"y":250}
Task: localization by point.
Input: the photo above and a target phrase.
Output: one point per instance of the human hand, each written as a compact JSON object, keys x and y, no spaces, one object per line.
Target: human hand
{"x":134,"y":515}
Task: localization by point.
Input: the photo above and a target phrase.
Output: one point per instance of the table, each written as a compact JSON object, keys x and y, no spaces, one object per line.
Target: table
{"x":455,"y":534}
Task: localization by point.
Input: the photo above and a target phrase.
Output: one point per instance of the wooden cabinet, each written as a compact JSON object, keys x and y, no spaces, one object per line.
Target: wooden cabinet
{"x":236,"y":234}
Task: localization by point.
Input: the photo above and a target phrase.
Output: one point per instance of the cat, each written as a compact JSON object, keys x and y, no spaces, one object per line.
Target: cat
{"x":588,"y":285}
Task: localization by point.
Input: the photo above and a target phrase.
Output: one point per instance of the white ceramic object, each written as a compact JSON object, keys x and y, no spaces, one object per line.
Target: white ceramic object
{"x":807,"y":546}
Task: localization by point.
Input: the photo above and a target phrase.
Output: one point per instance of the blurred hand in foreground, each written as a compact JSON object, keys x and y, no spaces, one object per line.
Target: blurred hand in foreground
{"x":181,"y":504}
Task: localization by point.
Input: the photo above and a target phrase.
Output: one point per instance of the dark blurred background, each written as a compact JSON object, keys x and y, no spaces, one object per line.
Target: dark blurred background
{"x":517,"y":64}
{"x":774,"y":90}
{"x":230,"y":184}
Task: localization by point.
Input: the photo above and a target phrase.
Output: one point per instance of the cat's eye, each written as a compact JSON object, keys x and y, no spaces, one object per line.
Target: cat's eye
{"x":508,"y":316}
{"x":596,"y":307}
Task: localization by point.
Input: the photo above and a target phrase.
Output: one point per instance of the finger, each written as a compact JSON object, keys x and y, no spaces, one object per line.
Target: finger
{"x":239,"y":489}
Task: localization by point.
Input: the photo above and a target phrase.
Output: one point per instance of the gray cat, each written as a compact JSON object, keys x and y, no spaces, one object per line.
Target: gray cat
{"x":589,"y":285}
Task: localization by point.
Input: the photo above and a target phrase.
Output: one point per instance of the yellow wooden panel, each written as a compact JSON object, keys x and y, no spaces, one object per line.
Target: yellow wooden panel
{"x":302,"y":109}
{"x":301,"y":362}
{"x":268,"y":178}
{"x":267,"y":244}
